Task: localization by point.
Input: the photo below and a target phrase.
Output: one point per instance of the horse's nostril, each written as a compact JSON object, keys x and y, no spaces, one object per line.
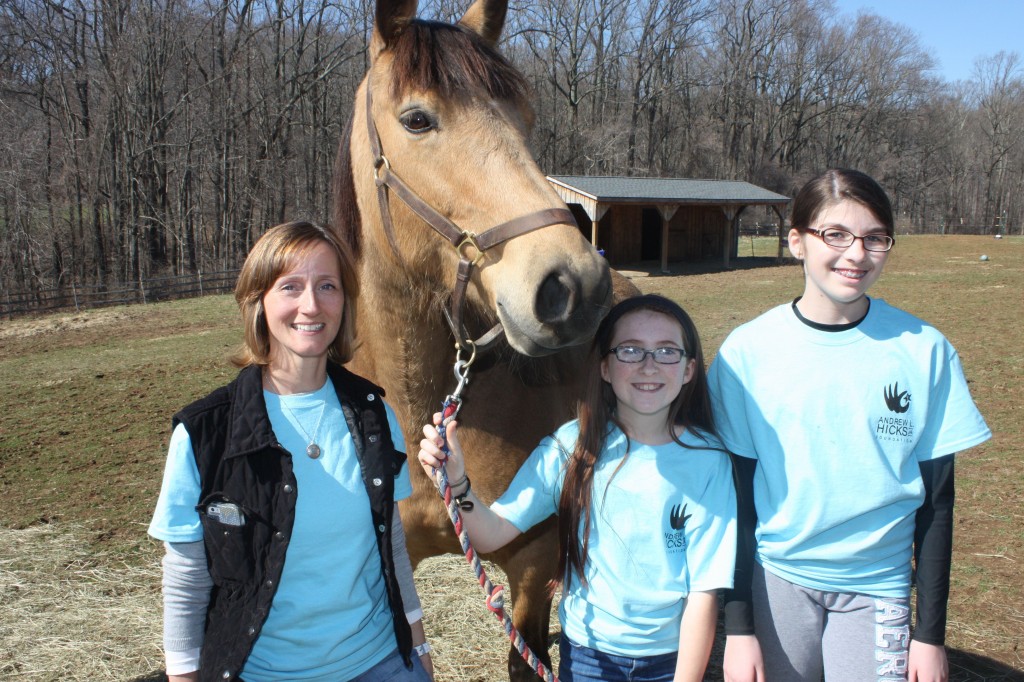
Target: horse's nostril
{"x":556,"y":298}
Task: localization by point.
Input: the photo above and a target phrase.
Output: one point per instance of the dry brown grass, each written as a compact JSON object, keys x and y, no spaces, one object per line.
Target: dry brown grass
{"x":72,"y":613}
{"x":69,"y":612}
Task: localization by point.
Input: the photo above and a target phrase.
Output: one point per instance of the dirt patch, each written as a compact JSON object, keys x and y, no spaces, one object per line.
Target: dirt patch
{"x":65,"y":322}
{"x":47,"y":334}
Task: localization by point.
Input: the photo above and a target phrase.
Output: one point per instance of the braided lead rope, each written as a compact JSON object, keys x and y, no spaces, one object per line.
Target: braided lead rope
{"x":495,"y":594}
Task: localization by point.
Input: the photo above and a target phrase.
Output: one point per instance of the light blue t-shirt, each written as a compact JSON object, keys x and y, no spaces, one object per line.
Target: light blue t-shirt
{"x":330,"y":618}
{"x":839,"y":421}
{"x":663,"y":525}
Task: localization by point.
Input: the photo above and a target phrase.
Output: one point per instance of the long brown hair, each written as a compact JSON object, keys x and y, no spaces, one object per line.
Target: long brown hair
{"x":691,"y":410}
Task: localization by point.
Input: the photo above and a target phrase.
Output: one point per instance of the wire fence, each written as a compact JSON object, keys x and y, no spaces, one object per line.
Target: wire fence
{"x":75,"y":296}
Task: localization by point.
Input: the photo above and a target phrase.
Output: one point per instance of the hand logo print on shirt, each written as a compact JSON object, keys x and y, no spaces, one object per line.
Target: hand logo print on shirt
{"x":678,"y":517}
{"x":675,"y":540}
{"x":896,"y":402}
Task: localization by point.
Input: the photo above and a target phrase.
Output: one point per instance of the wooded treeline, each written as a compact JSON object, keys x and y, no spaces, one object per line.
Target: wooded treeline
{"x":152,"y":137}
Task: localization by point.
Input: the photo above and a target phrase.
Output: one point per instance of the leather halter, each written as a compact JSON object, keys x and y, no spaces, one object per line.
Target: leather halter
{"x":463,"y":241}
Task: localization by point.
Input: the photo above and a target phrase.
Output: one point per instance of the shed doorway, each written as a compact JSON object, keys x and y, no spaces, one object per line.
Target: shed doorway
{"x":650,"y":234}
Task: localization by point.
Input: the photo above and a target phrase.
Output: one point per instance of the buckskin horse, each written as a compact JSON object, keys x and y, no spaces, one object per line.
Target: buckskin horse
{"x":437,"y":193}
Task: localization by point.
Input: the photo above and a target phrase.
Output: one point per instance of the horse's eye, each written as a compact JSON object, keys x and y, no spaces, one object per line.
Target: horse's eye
{"x":416,"y":121}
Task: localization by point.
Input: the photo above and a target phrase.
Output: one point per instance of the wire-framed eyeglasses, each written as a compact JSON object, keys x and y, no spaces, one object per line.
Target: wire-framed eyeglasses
{"x":840,"y":238}
{"x":666,"y":355}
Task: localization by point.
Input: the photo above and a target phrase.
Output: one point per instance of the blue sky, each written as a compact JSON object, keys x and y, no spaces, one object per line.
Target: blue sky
{"x":955,"y":31}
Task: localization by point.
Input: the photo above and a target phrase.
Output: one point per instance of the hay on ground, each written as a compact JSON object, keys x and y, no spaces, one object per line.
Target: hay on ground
{"x":68,"y":612}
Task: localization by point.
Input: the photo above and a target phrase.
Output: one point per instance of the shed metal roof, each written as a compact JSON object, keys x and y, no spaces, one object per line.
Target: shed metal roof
{"x":667,"y":190}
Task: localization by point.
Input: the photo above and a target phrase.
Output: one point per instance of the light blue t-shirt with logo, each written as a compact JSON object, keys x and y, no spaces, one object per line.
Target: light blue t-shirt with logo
{"x":839,"y":421}
{"x":663,"y":525}
{"x":330,"y":618}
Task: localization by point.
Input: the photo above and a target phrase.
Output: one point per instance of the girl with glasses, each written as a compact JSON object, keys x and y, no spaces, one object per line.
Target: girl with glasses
{"x":845,"y":413}
{"x":645,"y":502}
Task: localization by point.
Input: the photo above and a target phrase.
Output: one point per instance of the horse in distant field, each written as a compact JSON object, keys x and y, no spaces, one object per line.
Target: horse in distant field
{"x":436,"y":156}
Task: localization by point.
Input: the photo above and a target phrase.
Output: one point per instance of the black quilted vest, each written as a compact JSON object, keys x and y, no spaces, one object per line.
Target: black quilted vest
{"x":240,"y":461}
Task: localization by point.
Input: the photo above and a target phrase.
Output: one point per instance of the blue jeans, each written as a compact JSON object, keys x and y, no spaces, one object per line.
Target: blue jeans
{"x":392,"y":669}
{"x":578,"y":663}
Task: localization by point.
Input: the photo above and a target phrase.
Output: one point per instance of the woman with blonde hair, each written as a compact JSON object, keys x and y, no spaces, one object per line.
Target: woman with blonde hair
{"x":285,"y":556}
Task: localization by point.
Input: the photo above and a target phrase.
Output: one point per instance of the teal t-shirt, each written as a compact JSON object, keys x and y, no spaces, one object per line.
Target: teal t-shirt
{"x":838,"y":422}
{"x":330,"y":618}
{"x":663,"y":525}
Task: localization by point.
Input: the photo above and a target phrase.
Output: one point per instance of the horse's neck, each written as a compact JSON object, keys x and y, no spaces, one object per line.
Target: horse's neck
{"x":403,"y":344}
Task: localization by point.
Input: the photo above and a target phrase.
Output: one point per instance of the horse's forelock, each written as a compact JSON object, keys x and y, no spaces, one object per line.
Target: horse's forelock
{"x":452,"y":61}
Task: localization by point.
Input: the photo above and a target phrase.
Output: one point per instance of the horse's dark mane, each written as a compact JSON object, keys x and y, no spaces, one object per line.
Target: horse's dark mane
{"x":345,"y":210}
{"x":449,"y":60}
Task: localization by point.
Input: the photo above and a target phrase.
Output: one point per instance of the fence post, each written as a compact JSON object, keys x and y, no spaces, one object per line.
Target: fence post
{"x":74,"y":296}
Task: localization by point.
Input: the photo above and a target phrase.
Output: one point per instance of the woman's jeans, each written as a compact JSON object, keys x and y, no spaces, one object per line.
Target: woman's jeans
{"x":392,"y":669}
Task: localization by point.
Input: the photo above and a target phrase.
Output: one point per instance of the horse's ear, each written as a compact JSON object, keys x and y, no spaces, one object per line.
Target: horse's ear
{"x":486,"y":18}
{"x":391,"y":19}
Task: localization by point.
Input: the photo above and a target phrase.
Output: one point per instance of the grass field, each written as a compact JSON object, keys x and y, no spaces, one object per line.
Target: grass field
{"x":86,"y":416}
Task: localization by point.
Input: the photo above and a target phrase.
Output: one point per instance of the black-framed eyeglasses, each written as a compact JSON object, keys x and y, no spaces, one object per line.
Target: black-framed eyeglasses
{"x":840,"y":238}
{"x":666,"y":355}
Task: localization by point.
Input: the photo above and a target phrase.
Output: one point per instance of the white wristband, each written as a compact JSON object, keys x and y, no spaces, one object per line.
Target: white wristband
{"x":422,"y":649}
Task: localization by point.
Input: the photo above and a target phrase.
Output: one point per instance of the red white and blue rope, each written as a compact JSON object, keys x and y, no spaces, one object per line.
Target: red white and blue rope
{"x":495,"y":594}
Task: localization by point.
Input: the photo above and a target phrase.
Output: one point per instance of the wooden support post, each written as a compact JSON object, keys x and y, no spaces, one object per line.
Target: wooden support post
{"x":783,"y":232}
{"x":666,"y":211}
{"x":731,"y":233}
{"x":596,"y":212}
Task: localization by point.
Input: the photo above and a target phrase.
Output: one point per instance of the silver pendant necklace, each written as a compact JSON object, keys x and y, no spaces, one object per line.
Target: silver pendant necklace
{"x":312,"y":450}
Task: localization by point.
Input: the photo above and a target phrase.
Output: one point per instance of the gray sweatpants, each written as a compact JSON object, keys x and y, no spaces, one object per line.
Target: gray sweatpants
{"x":848,"y":637}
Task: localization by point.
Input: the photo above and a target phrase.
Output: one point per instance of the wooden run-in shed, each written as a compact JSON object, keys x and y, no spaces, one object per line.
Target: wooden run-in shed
{"x":671,"y":219}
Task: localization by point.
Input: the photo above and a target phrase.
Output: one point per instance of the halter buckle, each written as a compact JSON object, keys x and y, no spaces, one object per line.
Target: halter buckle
{"x":469,"y":239}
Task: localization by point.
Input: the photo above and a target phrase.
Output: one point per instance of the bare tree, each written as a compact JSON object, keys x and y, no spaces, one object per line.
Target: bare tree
{"x":999,"y":92}
{"x":138,"y":138}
